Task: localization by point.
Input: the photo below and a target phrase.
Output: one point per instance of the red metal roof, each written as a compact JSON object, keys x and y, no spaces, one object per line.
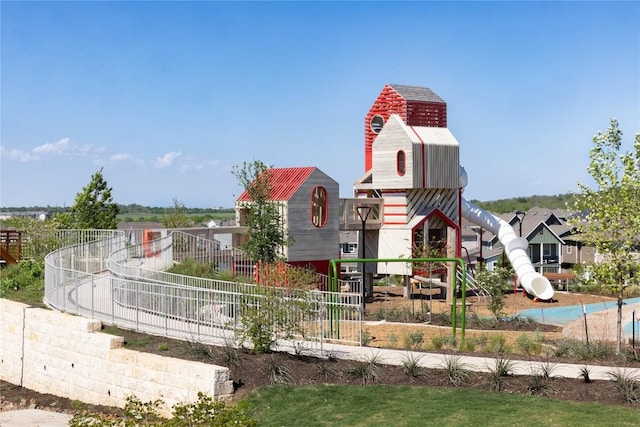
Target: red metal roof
{"x":284,"y":183}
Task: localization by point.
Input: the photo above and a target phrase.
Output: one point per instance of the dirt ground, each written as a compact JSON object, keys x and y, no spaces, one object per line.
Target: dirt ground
{"x":252,"y":371}
{"x":388,"y":313}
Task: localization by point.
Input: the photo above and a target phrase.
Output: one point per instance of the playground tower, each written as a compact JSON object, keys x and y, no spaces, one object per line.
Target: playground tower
{"x":412,"y":164}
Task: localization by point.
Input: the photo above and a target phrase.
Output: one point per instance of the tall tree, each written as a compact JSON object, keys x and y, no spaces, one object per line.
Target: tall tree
{"x":262,"y":215}
{"x":94,"y":206}
{"x":611,"y":220}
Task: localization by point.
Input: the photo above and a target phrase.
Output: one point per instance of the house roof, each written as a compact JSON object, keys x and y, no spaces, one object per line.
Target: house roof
{"x":417,"y":93}
{"x":284,"y":183}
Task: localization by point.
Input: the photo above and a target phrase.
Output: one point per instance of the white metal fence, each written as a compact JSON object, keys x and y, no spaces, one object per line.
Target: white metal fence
{"x":103,"y":276}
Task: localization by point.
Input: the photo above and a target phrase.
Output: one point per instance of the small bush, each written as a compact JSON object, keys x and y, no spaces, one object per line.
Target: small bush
{"x":279,"y":374}
{"x":228,"y":355}
{"x":627,"y":384}
{"x":585,"y":374}
{"x":199,"y":351}
{"x":366,"y":370}
{"x":26,"y":274}
{"x":455,"y":371}
{"x":450,"y":341}
{"x":437,"y":342}
{"x":540,"y":385}
{"x":501,"y":368}
{"x":416,"y":339}
{"x":411,"y":366}
{"x":529,"y":344}
{"x":205,"y":411}
{"x":497,"y":344}
{"x":366,"y":338}
{"x":393,"y":340}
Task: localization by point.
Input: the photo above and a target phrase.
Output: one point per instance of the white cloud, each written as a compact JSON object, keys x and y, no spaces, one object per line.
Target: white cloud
{"x":121,"y":157}
{"x":167,"y":159}
{"x":16,"y":154}
{"x":61,"y":147}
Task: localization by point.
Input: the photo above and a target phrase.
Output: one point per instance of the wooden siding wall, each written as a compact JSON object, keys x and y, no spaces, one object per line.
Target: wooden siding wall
{"x":388,"y":102}
{"x":401,"y":206}
{"x":385,"y":173}
{"x":542,"y":235}
{"x":394,"y":243}
{"x":429,"y":114}
{"x":395,"y":207}
{"x":420,"y":200}
{"x":435,"y":166}
{"x":312,"y":243}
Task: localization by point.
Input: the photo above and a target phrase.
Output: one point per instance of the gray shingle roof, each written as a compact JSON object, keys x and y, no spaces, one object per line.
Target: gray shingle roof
{"x":417,"y":93}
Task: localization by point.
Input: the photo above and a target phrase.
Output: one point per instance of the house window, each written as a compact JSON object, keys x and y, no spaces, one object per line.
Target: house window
{"x":348,"y":248}
{"x":319,"y":206}
{"x":401,"y":163}
{"x":569,"y":249}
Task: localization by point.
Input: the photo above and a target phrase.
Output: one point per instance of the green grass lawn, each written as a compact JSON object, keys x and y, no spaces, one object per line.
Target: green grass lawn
{"x":397,"y":406}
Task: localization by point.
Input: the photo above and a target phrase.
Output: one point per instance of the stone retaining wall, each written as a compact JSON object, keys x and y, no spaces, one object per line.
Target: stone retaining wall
{"x":52,"y":352}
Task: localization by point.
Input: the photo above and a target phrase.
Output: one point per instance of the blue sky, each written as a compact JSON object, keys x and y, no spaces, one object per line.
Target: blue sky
{"x":167,"y":97}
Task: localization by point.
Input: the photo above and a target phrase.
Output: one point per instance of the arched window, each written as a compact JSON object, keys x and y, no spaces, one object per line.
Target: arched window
{"x":319,"y":206}
{"x":401,"y":164}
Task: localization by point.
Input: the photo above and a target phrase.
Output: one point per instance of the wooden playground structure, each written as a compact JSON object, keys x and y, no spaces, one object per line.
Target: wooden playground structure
{"x":10,"y":246}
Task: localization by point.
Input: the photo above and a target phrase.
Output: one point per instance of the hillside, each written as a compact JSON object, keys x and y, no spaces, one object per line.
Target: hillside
{"x":560,"y":201}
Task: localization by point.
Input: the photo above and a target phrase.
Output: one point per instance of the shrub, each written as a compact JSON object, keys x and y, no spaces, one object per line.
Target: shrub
{"x":585,"y":374}
{"x":529,"y":344}
{"x":627,"y":384}
{"x":497,"y":344}
{"x":495,"y":282}
{"x":366,"y":338}
{"x":393,"y":340}
{"x":437,"y":342}
{"x":272,"y":312}
{"x":416,"y":339}
{"x":455,"y":371}
{"x":205,"y":411}
{"x":411,"y":366}
{"x":27,"y":274}
{"x":366,"y":369}
{"x":279,"y":374}
{"x":501,"y":368}
{"x":199,"y":351}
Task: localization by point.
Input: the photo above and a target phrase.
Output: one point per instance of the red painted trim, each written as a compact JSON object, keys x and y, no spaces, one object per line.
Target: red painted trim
{"x":394,"y":223}
{"x":395,"y":205}
{"x":395,"y":214}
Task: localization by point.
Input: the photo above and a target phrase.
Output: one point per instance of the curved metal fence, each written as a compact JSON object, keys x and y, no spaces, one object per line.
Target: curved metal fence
{"x":102,"y":275}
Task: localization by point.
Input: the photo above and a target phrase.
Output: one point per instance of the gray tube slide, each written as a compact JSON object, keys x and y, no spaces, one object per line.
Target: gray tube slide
{"x":515,"y":247}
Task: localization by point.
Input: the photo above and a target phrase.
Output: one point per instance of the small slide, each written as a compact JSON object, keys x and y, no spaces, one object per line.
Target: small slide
{"x":515,"y":247}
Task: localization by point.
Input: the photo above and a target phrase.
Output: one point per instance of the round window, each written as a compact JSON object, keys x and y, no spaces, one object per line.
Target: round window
{"x":377,"y":122}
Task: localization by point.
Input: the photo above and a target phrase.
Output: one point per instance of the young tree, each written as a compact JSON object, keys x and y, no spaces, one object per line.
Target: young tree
{"x":495,"y":282}
{"x":262,"y":215}
{"x":94,"y":206}
{"x":177,"y":216}
{"x":612,"y":220}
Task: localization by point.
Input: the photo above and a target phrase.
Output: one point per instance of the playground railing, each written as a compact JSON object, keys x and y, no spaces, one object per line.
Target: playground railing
{"x":105,"y":277}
